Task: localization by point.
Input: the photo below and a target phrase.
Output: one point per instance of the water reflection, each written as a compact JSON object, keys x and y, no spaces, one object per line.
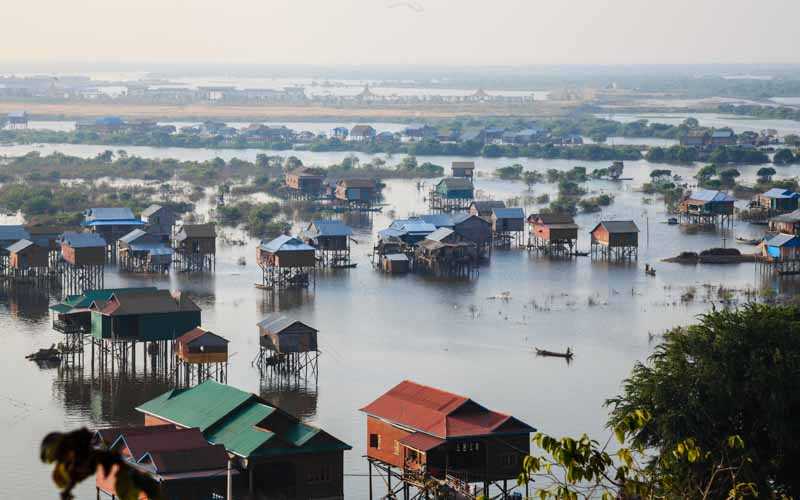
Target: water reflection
{"x":25,"y":301}
{"x":295,"y":395}
{"x":287,"y":299}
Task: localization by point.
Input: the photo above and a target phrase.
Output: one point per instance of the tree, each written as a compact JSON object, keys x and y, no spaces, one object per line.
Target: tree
{"x":691,"y":122}
{"x":735,"y":373}
{"x":792,"y":140}
{"x":655,"y":155}
{"x":728,"y":176}
{"x":106,"y":156}
{"x":531,"y":177}
{"x":409,"y":163}
{"x":511,"y":172}
{"x":765,"y":174}
{"x":783,"y":157}
{"x":706,"y":173}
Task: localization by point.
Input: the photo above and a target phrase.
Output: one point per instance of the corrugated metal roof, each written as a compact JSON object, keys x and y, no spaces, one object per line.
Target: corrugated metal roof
{"x":109,"y":213}
{"x":277,"y":323}
{"x":439,"y":413}
{"x":458,"y":219}
{"x":619,"y":226}
{"x":201,"y":406}
{"x":147,"y":212}
{"x":133,"y":236}
{"x":463,"y":164}
{"x":440,"y":234}
{"x":457,"y":183}
{"x":238,"y":432}
{"x":20,"y":245}
{"x":781,"y":239}
{"x":328,"y":227}
{"x":487,"y":205}
{"x":722,"y":133}
{"x":396,"y":257}
{"x":202,"y":459}
{"x":83,"y":240}
{"x":148,"y":302}
{"x":779,"y":193}
{"x":285,"y":243}
{"x":711,"y":195}
{"x":358,"y":183}
{"x":509,"y":213}
{"x":200,"y":333}
{"x":438,"y":220}
{"x":552,"y":219}
{"x":14,"y":232}
{"x":414,"y":225}
{"x":159,"y":438}
{"x":198,"y":231}
{"x":791,"y":217}
{"x":421,"y":442}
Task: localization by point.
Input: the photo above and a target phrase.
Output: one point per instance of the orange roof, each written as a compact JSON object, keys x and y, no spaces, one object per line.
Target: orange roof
{"x":440,"y":413}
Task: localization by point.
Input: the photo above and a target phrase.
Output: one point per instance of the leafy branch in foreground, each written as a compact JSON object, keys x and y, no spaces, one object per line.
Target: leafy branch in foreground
{"x":76,"y":459}
{"x":571,"y":469}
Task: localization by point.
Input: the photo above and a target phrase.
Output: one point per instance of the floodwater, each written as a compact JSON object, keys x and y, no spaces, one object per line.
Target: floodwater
{"x":737,"y":123}
{"x":376,"y":330}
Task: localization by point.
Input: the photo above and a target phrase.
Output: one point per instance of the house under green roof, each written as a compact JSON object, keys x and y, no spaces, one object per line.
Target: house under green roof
{"x":247,"y":425}
{"x":84,"y":300}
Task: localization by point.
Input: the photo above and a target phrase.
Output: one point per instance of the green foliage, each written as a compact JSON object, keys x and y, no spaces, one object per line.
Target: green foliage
{"x":75,"y":460}
{"x":733,"y":374}
{"x":531,"y":177}
{"x":511,"y":172}
{"x":765,"y":174}
{"x":784,"y":157}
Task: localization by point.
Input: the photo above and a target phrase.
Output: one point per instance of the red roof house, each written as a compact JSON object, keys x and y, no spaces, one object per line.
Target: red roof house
{"x":427,"y":430}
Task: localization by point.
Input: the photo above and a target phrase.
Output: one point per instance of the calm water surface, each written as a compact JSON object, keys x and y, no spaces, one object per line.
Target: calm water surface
{"x":377,"y":330}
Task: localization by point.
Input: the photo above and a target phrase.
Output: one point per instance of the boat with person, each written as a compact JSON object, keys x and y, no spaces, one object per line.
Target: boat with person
{"x":568,"y":354}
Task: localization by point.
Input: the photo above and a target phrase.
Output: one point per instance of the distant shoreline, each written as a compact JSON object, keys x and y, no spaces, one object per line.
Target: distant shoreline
{"x":38,"y":110}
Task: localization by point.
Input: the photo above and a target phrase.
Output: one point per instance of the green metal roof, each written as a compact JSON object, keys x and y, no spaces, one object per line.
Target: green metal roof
{"x":229,"y":416}
{"x":84,"y":300}
{"x":61,"y":308}
{"x":238,"y":431}
{"x":201,"y":406}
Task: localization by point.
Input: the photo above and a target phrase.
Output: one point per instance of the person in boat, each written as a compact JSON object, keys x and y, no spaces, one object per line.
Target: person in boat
{"x":569,"y":352}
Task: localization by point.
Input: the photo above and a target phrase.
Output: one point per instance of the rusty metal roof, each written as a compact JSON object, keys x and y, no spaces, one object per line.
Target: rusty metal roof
{"x":421,"y":441}
{"x":440,"y":413}
{"x":199,"y":333}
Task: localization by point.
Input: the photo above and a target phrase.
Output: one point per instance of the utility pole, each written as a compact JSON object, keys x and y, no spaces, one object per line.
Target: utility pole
{"x":229,"y":493}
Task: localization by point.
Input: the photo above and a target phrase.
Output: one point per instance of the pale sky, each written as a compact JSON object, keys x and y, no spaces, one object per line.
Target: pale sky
{"x":453,"y":32}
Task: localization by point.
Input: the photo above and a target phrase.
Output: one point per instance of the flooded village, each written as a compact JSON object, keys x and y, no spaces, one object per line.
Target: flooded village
{"x":274,"y":252}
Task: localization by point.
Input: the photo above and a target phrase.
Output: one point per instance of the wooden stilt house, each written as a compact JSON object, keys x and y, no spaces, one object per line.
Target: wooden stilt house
{"x":144,"y":252}
{"x":158,"y":221}
{"x":451,"y":193}
{"x":615,"y":240}
{"x":484,"y":208}
{"x":331,"y":239}
{"x":786,"y":223}
{"x":707,"y":206}
{"x":477,"y":230}
{"x":552,"y":234}
{"x":446,"y":253}
{"x":508,"y":226}
{"x":418,"y":433}
{"x":201,"y":354}
{"x":463,"y":169}
{"x":111,"y":224}
{"x":286,"y":262}
{"x":83,"y":262}
{"x":195,"y":247}
{"x":304,"y":183}
{"x":287,"y":345}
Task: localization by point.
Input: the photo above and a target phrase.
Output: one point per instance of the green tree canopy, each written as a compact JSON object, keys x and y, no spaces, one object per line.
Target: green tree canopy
{"x":784,"y":157}
{"x":736,"y":372}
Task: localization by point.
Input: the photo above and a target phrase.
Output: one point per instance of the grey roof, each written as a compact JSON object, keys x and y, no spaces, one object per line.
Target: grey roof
{"x":20,"y":245}
{"x":793,"y":216}
{"x":619,"y":226}
{"x":487,"y":205}
{"x":509,"y":213}
{"x":83,"y":240}
{"x":780,"y":239}
{"x":463,"y":164}
{"x":285,"y":243}
{"x":13,"y":233}
{"x":113,"y":213}
{"x":413,"y":225}
{"x":147,"y":212}
{"x":458,"y":219}
{"x":440,"y":234}
{"x":456,"y":183}
{"x":277,"y":322}
{"x":724,"y":132}
{"x":133,"y":236}
{"x":711,"y":195}
{"x":327,"y":227}
{"x":396,"y":257}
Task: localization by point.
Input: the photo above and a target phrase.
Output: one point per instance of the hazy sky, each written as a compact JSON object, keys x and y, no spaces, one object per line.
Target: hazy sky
{"x":455,"y":32}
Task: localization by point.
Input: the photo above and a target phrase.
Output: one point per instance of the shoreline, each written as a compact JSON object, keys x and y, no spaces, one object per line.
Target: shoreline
{"x":38,"y":110}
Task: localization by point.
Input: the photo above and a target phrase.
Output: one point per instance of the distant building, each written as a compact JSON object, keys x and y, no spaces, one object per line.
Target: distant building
{"x":111,"y":223}
{"x":17,"y":119}
{"x":786,"y":223}
{"x":304,"y":181}
{"x":695,"y":138}
{"x":340,"y":133}
{"x":484,"y":208}
{"x":159,"y":221}
{"x":722,"y":137}
{"x":361,"y":133}
{"x":777,"y":200}
{"x":363,"y":191}
{"x":463,"y":169}
{"x":418,"y":133}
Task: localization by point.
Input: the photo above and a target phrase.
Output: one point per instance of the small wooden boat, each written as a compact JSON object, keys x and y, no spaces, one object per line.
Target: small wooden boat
{"x":649,"y":270}
{"x":581,"y":254}
{"x":748,"y":241}
{"x":672,"y":221}
{"x":544,"y":352}
{"x":51,"y":354}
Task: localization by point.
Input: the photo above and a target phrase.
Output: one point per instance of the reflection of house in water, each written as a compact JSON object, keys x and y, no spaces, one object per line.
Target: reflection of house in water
{"x":25,"y":302}
{"x":283,"y":300}
{"x":296,"y":397}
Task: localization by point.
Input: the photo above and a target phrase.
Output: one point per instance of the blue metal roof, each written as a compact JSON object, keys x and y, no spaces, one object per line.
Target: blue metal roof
{"x":509,"y":213}
{"x":440,"y":234}
{"x":83,"y":240}
{"x":132,"y":236}
{"x":13,"y":232}
{"x":152,"y":249}
{"x":109,"y":213}
{"x":438,"y":220}
{"x":782,"y":240}
{"x":412,"y":226}
{"x":328,"y":227}
{"x":779,"y":193}
{"x":711,"y":195}
{"x":390,"y":233}
{"x":285,"y":243}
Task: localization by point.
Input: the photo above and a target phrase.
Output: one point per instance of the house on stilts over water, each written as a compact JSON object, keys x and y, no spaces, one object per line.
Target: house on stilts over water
{"x":288,"y":347}
{"x":195,"y":247}
{"x":331,"y":240}
{"x":275,"y":454}
{"x":615,"y":240}
{"x":144,"y":252}
{"x":451,"y":193}
{"x":552,"y":234}
{"x":111,"y":224}
{"x":286,"y":262}
{"x":82,"y":267}
{"x":418,"y":434}
{"x":707,"y":207}
{"x":446,"y":253}
{"x":508,"y":227}
{"x":304,"y":183}
{"x":200,"y":355}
